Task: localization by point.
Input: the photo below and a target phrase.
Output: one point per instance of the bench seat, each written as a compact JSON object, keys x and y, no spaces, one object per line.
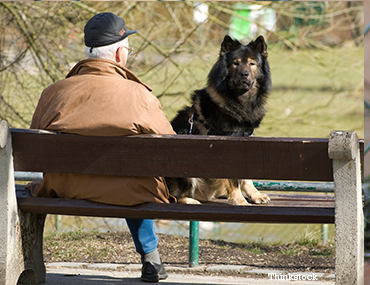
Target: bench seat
{"x":287,"y":208}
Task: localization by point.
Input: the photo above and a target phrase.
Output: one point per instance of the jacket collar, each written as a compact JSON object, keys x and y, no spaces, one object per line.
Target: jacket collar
{"x":104,"y":66}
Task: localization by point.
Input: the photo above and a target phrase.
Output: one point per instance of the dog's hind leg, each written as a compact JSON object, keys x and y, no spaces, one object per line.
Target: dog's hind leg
{"x":187,"y":200}
{"x":234,"y":194}
{"x":252,"y":193}
{"x":183,"y":189}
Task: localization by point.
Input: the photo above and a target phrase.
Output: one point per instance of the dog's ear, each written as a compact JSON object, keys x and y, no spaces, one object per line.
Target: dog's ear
{"x":229,"y":44}
{"x":260,"y":45}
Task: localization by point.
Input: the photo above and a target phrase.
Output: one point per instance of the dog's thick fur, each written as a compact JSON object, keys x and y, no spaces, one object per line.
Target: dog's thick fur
{"x":232,"y":104}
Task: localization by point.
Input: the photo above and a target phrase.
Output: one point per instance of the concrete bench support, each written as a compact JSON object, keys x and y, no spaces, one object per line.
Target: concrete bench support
{"x":32,"y":229}
{"x":11,"y":255}
{"x":349,"y":219}
{"x":21,"y":250}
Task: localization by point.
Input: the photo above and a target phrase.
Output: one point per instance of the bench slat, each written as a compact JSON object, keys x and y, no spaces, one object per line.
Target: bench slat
{"x":288,"y":212}
{"x":174,"y":156}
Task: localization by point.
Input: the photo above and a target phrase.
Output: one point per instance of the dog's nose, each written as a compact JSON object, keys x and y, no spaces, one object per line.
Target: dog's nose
{"x":244,"y":73}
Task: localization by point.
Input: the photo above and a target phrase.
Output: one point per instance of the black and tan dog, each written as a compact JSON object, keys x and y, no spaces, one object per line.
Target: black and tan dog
{"x":232,"y":104}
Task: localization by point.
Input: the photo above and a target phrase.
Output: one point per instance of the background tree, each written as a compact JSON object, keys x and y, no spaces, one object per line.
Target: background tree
{"x":41,"y":41}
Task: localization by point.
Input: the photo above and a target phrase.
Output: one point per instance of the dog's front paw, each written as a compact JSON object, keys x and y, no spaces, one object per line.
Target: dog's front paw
{"x":260,"y":199}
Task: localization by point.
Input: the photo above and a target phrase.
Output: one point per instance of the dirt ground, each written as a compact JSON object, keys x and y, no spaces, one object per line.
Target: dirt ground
{"x":117,"y":247}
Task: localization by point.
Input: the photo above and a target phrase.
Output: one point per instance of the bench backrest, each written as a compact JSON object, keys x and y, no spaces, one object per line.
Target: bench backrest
{"x":302,"y":159}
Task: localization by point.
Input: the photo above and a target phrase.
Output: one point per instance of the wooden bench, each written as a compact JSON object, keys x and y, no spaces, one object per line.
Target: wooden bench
{"x":295,"y":159}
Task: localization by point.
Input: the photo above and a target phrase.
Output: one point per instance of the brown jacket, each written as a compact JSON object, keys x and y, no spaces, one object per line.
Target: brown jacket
{"x":101,"y":98}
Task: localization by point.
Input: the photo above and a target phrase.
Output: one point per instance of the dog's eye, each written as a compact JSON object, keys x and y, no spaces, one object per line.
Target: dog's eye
{"x":236,"y":63}
{"x":252,"y":64}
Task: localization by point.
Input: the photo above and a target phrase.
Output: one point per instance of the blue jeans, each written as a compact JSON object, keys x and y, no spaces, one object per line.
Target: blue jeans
{"x":143,"y":234}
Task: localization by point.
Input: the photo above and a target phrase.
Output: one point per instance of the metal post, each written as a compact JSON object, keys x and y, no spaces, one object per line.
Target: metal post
{"x":325,"y":232}
{"x":193,"y":243}
{"x":58,"y":222}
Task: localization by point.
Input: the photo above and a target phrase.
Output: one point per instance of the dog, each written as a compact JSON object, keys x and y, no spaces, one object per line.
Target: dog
{"x":232,"y":104}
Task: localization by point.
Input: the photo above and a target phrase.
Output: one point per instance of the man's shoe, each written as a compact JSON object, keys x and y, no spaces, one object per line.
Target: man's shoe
{"x":153,"y":272}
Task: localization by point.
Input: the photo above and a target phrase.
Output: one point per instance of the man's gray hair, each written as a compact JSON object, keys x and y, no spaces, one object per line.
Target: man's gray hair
{"x":106,"y":51}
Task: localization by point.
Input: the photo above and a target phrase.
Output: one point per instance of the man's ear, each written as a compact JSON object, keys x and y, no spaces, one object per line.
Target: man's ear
{"x":119,"y":55}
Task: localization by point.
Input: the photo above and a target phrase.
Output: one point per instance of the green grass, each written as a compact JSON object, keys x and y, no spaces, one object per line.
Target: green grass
{"x":308,"y":243}
{"x":75,"y":235}
{"x":309,"y":239}
{"x":76,"y":244}
{"x":289,"y":252}
{"x":315,"y":92}
{"x":79,"y":245}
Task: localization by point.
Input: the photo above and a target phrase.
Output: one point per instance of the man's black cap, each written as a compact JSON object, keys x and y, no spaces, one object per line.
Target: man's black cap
{"x":104,"y":29}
